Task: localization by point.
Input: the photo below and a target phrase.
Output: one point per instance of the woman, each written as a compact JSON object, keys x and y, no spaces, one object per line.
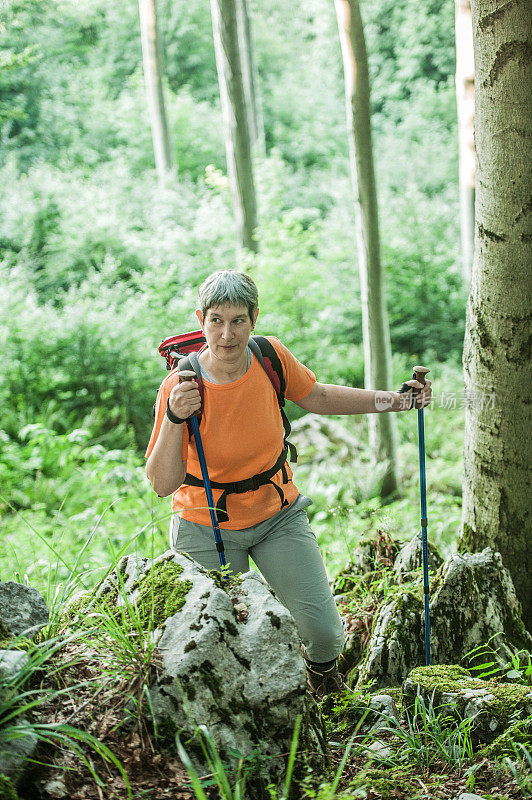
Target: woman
{"x":242,"y":435}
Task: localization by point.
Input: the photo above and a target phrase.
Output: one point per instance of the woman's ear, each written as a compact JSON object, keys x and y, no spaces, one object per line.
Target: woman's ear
{"x":255,"y":315}
{"x":200,"y":317}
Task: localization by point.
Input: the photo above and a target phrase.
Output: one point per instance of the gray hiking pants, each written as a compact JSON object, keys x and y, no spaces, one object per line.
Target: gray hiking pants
{"x":285,"y":550}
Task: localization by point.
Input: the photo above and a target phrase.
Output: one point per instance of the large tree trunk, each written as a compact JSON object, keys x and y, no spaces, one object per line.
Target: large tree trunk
{"x":236,"y":120}
{"x":377,"y":349}
{"x":465,"y":104}
{"x":164,"y":161}
{"x":497,"y":353}
{"x":250,"y":78}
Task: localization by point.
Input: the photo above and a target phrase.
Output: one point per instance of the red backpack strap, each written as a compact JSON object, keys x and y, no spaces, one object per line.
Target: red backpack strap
{"x":264,"y":350}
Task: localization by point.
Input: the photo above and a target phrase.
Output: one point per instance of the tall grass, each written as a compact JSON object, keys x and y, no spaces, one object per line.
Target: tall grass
{"x":22,"y":700}
{"x":235,"y":788}
{"x":426,"y":736}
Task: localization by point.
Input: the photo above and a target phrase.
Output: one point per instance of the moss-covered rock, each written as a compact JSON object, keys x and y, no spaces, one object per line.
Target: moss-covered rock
{"x":17,"y":643}
{"x":396,"y":641}
{"x":493,"y":706}
{"x":161,"y":593}
{"x":346,"y":713}
{"x":212,"y":665}
{"x":409,"y":560}
{"x":383,"y":782}
{"x":8,"y":641}
{"x":472,"y":601}
{"x":137,"y":591}
{"x":519,"y":732}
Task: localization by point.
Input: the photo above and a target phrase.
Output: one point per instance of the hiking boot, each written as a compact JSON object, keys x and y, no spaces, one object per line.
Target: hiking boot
{"x":322,"y":682}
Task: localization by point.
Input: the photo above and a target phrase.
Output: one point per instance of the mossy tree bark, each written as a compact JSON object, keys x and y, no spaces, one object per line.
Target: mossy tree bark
{"x":497,"y":364}
{"x":376,"y":335}
{"x":465,"y":104}
{"x":151,"y":59}
{"x":235,"y":112}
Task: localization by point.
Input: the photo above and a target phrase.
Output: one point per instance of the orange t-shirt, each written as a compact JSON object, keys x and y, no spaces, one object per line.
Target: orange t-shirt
{"x":242,"y":435}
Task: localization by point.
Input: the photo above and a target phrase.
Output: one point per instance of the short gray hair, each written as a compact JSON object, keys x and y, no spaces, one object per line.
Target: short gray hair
{"x":228,"y":287}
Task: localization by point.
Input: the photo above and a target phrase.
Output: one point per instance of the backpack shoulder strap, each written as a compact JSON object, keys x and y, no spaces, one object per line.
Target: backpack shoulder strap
{"x":265,"y":352}
{"x":271,"y":364}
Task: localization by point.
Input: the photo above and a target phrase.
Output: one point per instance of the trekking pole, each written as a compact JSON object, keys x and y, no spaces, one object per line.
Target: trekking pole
{"x":419,"y":375}
{"x":189,"y":375}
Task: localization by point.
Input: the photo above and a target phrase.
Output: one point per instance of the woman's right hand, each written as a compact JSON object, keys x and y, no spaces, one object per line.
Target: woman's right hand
{"x":185,"y":399}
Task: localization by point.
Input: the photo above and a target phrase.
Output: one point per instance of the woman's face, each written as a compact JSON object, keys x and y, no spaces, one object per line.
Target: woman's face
{"x":227,"y":330}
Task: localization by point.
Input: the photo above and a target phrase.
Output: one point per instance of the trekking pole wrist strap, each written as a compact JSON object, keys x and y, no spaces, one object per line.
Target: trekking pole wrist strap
{"x":171,"y":416}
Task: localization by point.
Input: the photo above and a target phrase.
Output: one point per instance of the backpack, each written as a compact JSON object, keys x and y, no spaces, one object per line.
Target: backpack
{"x":181,"y":351}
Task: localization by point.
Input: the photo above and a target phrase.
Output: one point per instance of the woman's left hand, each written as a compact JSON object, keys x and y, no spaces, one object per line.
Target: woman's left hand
{"x":422,"y":399}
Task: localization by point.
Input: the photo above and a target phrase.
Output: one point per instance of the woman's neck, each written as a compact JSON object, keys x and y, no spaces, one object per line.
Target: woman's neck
{"x":220,"y":372}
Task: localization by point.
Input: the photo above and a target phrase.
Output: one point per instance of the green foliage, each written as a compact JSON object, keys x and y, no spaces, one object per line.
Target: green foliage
{"x":186,"y":33}
{"x":7,"y":790}
{"x":76,"y":367}
{"x":495,"y":659}
{"x":408,"y":46}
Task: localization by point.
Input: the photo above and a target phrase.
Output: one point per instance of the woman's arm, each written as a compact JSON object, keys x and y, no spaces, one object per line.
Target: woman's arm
{"x":328,"y":398}
{"x":165,"y":467}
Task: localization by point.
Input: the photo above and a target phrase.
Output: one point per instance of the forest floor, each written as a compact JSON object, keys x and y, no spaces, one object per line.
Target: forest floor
{"x":114,"y":711}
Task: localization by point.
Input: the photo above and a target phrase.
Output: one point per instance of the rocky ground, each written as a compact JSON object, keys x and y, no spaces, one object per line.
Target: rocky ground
{"x":119,"y":673}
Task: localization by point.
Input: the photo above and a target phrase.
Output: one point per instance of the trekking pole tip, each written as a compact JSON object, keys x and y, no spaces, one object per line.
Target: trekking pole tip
{"x":420,"y":373}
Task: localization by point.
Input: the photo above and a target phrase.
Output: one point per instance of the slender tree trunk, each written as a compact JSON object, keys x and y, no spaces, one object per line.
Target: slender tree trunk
{"x":236,"y":120}
{"x":250,"y":78}
{"x":465,"y":103}
{"x":497,"y":349}
{"x":164,"y":161}
{"x":377,"y":349}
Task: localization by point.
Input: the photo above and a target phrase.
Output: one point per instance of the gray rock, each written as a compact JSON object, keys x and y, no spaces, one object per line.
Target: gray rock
{"x":492,"y":706}
{"x":380,"y":750}
{"x":56,"y":788}
{"x":231,"y":661}
{"x":14,"y":754}
{"x":410,"y":558}
{"x":472,"y":599}
{"x":23,"y":611}
{"x":385,"y":711}
{"x":11,"y":662}
{"x":123,"y":579}
{"x":468,"y":796}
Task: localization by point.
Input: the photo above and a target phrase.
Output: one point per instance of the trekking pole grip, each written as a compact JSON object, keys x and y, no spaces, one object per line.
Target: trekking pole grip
{"x":420,"y":373}
{"x":188,"y":375}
